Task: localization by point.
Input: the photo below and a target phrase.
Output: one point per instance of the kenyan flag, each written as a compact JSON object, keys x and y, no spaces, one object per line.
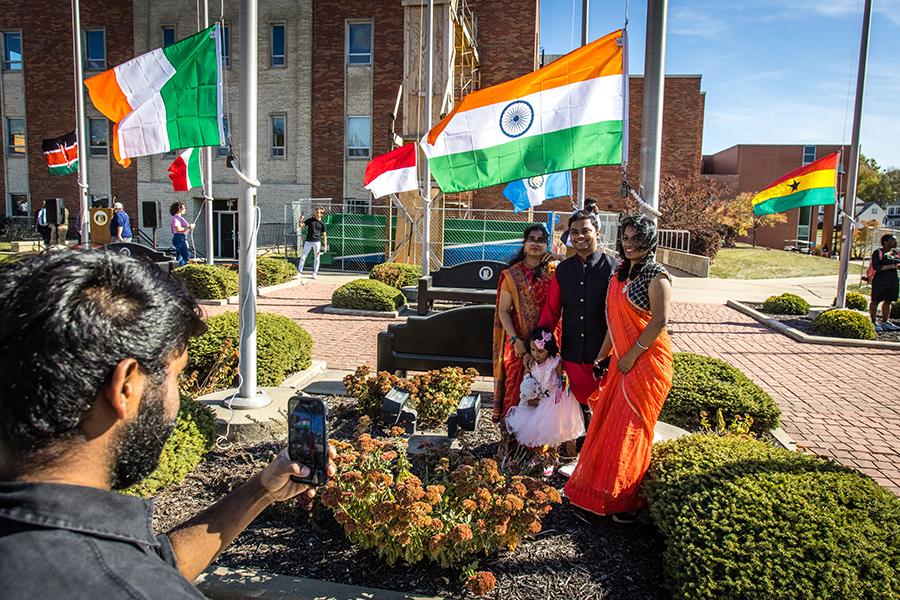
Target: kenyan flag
{"x":185,"y":172}
{"x":61,"y":154}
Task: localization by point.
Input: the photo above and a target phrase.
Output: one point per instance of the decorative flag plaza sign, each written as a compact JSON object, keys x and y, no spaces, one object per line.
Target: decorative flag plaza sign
{"x":166,"y":99}
{"x":393,"y":172}
{"x":185,"y":171}
{"x":810,"y":185}
{"x":528,"y":193}
{"x":567,"y":115}
{"x":61,"y":154}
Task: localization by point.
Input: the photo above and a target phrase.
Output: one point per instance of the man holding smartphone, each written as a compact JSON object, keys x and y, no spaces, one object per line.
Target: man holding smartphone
{"x":91,"y":347}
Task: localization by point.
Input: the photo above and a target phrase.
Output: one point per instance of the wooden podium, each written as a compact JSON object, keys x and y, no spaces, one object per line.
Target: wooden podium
{"x":100,"y":218}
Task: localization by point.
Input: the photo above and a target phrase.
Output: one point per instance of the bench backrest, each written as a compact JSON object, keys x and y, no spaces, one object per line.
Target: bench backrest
{"x":478,"y":274}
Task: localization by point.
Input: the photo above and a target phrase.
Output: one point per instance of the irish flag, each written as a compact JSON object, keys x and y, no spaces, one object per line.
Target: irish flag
{"x":810,"y":185}
{"x":393,"y":172}
{"x":168,"y":98}
{"x":185,"y":171}
{"x":567,"y":115}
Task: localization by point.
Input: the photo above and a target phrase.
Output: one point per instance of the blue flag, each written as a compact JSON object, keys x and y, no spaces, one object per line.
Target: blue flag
{"x":528,"y":193}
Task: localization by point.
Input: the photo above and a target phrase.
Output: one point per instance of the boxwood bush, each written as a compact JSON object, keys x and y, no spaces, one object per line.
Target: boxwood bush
{"x":702,"y":383}
{"x":273,"y":271}
{"x":786,"y":304}
{"x":194,"y":436}
{"x":857,"y":301}
{"x":743,"y":519}
{"x":367,"y":294}
{"x":208,"y":282}
{"x":283,"y":347}
{"x":844,"y":323}
{"x":396,"y":275}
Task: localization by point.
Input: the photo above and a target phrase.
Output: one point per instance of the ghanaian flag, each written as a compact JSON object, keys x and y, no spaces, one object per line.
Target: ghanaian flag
{"x":810,"y":185}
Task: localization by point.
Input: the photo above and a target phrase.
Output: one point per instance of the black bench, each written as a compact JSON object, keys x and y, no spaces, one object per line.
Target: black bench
{"x":474,"y":282}
{"x":459,"y":337}
{"x":163,"y":261}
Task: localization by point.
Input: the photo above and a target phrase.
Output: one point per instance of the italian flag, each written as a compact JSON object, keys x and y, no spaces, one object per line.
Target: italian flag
{"x":168,"y":98}
{"x":393,"y":172}
{"x":567,"y":115}
{"x":185,"y":171}
{"x":810,"y":185}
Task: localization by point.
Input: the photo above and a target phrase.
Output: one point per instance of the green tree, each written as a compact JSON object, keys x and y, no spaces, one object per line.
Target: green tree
{"x":871,"y":183}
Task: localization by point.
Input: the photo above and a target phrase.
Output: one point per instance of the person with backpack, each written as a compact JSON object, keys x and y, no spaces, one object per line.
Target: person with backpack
{"x":885,"y":282}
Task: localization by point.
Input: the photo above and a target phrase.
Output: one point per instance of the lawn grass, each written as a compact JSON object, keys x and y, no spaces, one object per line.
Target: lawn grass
{"x":765,"y":263}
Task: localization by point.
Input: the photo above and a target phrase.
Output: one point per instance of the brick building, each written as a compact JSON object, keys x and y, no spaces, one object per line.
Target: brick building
{"x":752,"y":167}
{"x":37,"y":99}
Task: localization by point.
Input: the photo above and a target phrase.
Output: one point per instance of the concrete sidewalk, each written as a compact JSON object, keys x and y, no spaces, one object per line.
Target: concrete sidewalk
{"x":818,"y":291}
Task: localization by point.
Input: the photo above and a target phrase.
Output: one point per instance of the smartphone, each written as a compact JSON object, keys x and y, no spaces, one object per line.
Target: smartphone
{"x":601,"y":367}
{"x":308,"y":437}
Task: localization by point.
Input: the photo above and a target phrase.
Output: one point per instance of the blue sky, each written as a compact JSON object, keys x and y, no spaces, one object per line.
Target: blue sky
{"x":774,"y":71}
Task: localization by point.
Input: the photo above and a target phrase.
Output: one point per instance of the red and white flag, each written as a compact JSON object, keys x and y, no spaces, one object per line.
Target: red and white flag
{"x":393,"y":172}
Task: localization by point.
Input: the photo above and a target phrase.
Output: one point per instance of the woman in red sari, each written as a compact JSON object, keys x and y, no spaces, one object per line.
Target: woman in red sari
{"x":520,"y":299}
{"x":616,"y":453}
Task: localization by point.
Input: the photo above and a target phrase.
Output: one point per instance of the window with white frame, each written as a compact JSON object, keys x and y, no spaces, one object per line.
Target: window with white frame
{"x":809,"y":154}
{"x":279,"y":144}
{"x":98,"y":129}
{"x":168,"y":35}
{"x":15,"y":137}
{"x":95,"y":49}
{"x":359,"y":43}
{"x":12,"y":51}
{"x":359,"y":137}
{"x":277,"y":46}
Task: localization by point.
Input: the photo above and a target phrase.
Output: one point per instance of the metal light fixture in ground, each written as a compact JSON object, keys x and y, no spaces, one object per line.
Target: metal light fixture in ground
{"x":392,"y":406}
{"x":467,"y":415}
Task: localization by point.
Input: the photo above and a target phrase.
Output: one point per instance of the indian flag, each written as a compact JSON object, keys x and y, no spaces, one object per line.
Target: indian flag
{"x":567,"y":115}
{"x":810,"y":185}
{"x":168,"y":98}
{"x":185,"y":171}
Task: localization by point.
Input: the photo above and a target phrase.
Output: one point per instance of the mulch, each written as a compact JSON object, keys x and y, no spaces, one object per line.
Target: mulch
{"x":576,"y":556}
{"x":805,"y":325}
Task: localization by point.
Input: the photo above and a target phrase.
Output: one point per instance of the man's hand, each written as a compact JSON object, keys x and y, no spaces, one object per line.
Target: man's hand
{"x":276,"y":477}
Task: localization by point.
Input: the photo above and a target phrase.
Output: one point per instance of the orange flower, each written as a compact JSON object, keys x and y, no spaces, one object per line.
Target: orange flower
{"x":461,"y":533}
{"x":351,"y":477}
{"x":435,"y":543}
{"x":433,"y":494}
{"x":534,"y":526}
{"x":553,"y":494}
{"x":513,"y":503}
{"x":481,"y":583}
{"x":437,"y":523}
{"x":482,"y":526}
{"x":331,"y":496}
{"x":397,"y":431}
{"x":365,"y":443}
{"x":520,"y":489}
{"x":484,"y":497}
{"x":469,"y":505}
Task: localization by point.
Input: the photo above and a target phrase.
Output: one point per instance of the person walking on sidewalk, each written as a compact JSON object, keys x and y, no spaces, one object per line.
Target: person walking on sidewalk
{"x":316,"y":240}
{"x":885,"y":286}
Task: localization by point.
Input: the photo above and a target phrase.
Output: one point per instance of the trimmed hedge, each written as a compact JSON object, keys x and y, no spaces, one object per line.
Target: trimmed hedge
{"x":282,"y":346}
{"x":396,"y":275}
{"x":367,"y":294}
{"x":273,"y":271}
{"x":194,"y":436}
{"x":743,"y":519}
{"x":786,"y":304}
{"x":208,"y":282}
{"x":844,"y":323}
{"x":856,"y":301}
{"x":702,"y":383}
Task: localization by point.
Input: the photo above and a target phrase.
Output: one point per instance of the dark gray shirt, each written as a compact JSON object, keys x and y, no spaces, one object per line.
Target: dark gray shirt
{"x":69,"y":541}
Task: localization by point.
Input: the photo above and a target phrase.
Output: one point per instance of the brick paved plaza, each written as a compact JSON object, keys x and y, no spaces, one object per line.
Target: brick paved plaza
{"x":842,"y":403}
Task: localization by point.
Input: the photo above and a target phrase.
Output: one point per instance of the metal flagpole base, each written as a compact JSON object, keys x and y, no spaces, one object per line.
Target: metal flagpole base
{"x":261,"y":400}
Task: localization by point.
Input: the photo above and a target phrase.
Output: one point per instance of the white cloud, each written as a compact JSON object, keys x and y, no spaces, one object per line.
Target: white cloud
{"x":832,"y":8}
{"x":696,"y":21}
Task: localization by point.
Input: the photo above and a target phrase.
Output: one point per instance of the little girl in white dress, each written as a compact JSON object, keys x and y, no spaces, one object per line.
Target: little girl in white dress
{"x":547,"y":415}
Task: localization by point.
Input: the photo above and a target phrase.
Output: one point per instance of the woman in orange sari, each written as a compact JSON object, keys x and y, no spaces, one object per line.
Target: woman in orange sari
{"x":520,"y":300}
{"x":616,"y":453}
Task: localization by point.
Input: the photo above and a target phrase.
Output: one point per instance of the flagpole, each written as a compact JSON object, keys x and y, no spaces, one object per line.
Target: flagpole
{"x":850,"y":196}
{"x":206,"y":155}
{"x":654,"y":87}
{"x":80,"y":126}
{"x":582,"y":172}
{"x":429,"y":82}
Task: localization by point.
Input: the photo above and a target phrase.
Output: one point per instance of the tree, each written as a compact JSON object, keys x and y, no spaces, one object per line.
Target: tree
{"x":872,"y":184}
{"x":737,"y":219}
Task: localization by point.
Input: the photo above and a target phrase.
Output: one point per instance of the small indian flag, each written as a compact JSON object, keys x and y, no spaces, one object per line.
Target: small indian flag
{"x":185,"y":171}
{"x":168,"y":98}
{"x":567,"y":115}
{"x":811,"y":185}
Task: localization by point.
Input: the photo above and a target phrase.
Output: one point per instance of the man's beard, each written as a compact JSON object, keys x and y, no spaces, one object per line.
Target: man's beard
{"x":136,"y":451}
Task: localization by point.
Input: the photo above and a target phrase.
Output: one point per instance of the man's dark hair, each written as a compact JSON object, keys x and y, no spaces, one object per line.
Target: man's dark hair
{"x":67,"y":318}
{"x":585,"y":215}
{"x":886,"y":238}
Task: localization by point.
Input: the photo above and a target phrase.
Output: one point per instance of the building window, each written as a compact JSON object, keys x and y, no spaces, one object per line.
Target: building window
{"x":168,"y":36}
{"x":809,"y":154}
{"x":359,"y":137}
{"x":12,"y":51}
{"x":99,"y":132}
{"x":20,"y":205}
{"x":358,"y":206}
{"x":223,"y":149}
{"x":226,"y":46}
{"x":15,"y":137}
{"x":95,"y":49}
{"x":277,"y":45}
{"x":278,"y":133}
{"x":359,"y":43}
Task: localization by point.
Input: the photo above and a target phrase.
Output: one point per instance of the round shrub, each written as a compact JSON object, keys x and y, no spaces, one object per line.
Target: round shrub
{"x":786,"y":304}
{"x":273,"y":271}
{"x":743,"y":519}
{"x":282,"y":346}
{"x":844,"y":323}
{"x":895,"y":310}
{"x":856,"y":301}
{"x":367,"y":294}
{"x":194,"y":436}
{"x":396,"y":275}
{"x":705,"y":384}
{"x":208,"y":282}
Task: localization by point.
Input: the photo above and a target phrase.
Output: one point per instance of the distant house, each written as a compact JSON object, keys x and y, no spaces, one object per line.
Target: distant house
{"x":869,"y":211}
{"x":892,"y":216}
